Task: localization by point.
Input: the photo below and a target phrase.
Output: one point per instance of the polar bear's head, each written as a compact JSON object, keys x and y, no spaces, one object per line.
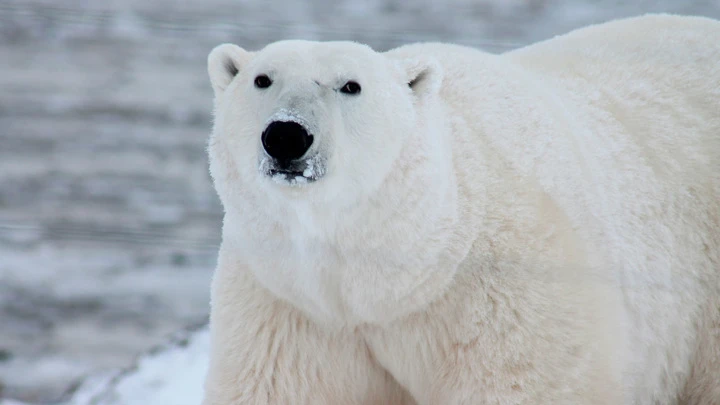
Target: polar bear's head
{"x":308,"y":117}
{"x":320,"y":148}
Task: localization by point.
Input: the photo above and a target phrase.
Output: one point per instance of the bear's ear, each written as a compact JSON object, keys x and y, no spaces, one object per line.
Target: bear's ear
{"x":224,"y":63}
{"x":423,"y":75}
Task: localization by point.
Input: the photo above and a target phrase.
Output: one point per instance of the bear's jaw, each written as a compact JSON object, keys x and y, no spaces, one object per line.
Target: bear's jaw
{"x":342,"y":266}
{"x":299,"y":173}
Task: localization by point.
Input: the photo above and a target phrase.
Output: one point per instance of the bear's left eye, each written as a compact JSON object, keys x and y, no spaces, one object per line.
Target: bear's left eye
{"x":262,"y":82}
{"x":351,"y":88}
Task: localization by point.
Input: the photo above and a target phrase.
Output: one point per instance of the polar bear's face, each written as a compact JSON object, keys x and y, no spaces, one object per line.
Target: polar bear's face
{"x":326,"y":156}
{"x":323,"y":120}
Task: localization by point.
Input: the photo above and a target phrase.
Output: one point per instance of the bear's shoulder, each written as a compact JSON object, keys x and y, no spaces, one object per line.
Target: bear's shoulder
{"x":654,"y":42}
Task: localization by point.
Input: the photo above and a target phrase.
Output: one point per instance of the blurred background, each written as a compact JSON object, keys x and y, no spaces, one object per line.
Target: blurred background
{"x":109,"y":224}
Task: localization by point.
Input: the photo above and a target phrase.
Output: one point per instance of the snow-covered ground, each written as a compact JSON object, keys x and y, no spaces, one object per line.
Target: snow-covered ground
{"x":171,"y":374}
{"x":108,"y":222}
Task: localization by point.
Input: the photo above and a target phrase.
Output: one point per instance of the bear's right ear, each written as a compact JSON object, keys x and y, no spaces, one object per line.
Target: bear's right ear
{"x":224,"y":63}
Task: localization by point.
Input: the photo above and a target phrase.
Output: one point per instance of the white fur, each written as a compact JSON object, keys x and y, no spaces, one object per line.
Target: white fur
{"x":537,"y":227}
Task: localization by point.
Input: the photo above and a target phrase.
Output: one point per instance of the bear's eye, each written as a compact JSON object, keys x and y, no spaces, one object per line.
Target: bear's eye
{"x":262,"y":82}
{"x":351,"y":88}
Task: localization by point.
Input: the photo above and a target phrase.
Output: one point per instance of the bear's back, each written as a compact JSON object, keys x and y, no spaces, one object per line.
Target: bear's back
{"x":650,"y":75}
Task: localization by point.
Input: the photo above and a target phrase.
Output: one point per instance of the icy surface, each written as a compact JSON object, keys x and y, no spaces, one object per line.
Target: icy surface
{"x":172,"y":375}
{"x":109,"y":224}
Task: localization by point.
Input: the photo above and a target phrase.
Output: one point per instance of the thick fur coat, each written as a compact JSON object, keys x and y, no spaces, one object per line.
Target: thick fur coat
{"x":536,"y":227}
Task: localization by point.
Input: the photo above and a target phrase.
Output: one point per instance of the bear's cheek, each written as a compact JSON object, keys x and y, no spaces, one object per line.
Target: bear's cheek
{"x":232,"y":161}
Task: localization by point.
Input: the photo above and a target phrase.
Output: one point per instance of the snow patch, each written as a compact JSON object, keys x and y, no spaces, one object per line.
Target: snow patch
{"x":309,"y":171}
{"x":169,"y":375}
{"x":285,"y":115}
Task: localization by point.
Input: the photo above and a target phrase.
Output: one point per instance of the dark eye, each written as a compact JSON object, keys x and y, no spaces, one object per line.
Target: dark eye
{"x":262,"y":82}
{"x":351,"y":88}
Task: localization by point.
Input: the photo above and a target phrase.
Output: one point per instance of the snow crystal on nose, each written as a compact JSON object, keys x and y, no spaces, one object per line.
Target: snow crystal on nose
{"x":314,"y":167}
{"x":285,"y":115}
{"x":279,"y":178}
{"x":309,"y":169}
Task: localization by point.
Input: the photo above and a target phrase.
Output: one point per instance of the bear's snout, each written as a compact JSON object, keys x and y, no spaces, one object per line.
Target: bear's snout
{"x":286,"y":140}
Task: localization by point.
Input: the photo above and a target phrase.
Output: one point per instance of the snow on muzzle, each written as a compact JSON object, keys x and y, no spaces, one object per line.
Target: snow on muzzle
{"x":289,"y":157}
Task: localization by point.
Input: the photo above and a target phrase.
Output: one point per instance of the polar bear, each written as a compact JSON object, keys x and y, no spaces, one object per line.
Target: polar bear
{"x":439,"y":225}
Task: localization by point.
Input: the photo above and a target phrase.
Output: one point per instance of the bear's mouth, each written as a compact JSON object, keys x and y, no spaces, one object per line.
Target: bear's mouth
{"x":293,"y":173}
{"x":290,"y":177}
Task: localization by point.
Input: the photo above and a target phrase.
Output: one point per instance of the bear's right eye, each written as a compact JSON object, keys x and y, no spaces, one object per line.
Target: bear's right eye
{"x":262,"y":82}
{"x":351,"y":87}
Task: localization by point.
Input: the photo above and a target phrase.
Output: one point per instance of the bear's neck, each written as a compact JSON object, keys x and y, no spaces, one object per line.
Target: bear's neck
{"x":390,"y":256}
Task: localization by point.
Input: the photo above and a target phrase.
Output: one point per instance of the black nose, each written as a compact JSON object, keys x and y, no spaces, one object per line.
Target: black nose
{"x":285,"y":140}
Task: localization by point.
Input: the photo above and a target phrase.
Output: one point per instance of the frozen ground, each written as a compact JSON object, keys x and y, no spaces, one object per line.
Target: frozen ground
{"x":108,"y":221}
{"x":171,"y":374}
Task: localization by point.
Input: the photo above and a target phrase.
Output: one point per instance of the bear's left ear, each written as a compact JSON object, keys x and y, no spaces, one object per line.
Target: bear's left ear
{"x":423,"y":75}
{"x":224,"y":63}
